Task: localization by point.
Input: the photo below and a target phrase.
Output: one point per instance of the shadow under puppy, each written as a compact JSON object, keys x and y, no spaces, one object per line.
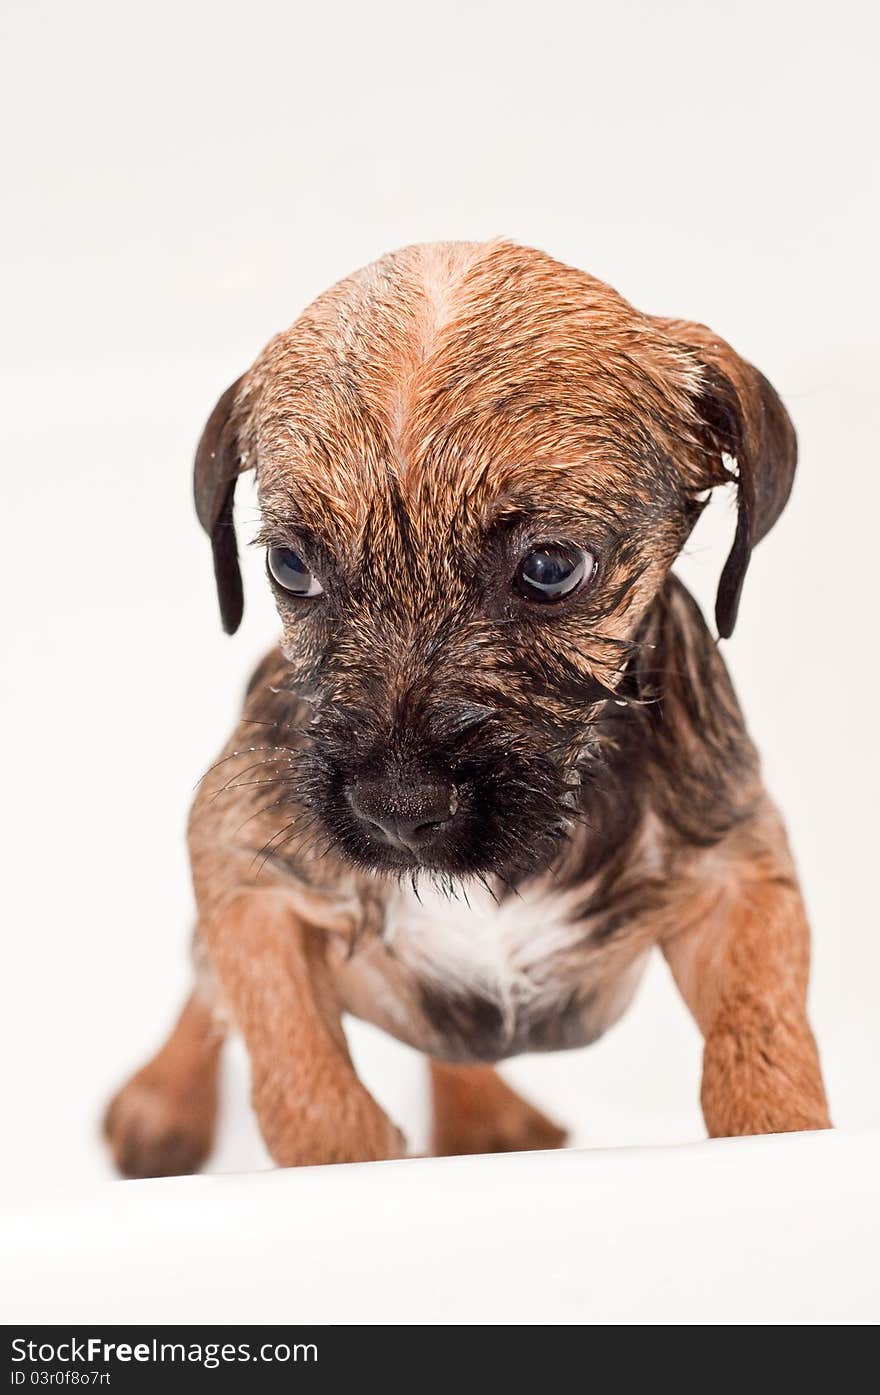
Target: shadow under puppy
{"x":497,"y":756}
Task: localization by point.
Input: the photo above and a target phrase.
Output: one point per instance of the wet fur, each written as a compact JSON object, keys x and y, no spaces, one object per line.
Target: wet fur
{"x":420,"y":426}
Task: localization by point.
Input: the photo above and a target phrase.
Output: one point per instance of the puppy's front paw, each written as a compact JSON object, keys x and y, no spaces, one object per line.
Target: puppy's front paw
{"x":475,"y":1111}
{"x":339,"y":1127}
{"x":154,"y":1131}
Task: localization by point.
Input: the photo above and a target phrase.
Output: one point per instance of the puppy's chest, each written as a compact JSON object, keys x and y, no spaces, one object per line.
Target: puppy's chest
{"x":495,"y":979}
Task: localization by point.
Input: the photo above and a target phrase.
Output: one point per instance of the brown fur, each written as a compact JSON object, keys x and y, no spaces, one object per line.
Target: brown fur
{"x":163,"y":1122}
{"x":476,"y":1112}
{"x":422,"y":423}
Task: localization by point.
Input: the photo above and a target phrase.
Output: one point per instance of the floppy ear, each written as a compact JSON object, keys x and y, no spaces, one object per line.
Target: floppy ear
{"x":218,"y":461}
{"x":743,"y":418}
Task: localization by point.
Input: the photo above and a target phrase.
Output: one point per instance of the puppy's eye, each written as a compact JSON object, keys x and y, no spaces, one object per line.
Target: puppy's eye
{"x":553,"y":571}
{"x":291,"y":572}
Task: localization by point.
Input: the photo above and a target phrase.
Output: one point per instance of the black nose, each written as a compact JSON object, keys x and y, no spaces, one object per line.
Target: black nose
{"x":408,"y":810}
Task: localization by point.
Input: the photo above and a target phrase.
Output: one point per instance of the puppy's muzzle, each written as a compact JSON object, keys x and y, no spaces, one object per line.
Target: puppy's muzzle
{"x":409,"y":809}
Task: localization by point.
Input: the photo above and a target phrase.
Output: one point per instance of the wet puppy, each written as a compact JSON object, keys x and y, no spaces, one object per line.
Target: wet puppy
{"x":496,"y":757}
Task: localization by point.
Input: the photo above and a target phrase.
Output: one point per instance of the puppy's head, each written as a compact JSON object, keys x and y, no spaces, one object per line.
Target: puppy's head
{"x":476,"y":467}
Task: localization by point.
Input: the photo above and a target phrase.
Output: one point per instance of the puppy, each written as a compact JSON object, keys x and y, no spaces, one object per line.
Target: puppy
{"x":497,"y":756}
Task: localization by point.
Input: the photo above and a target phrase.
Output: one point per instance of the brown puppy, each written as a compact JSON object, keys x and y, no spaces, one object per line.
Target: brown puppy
{"x":497,"y":756}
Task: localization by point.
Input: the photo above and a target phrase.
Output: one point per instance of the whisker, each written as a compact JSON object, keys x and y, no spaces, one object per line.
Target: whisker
{"x":485,"y":884}
{"x":265,"y":810}
{"x":253,"y":784}
{"x":267,"y":849}
{"x":247,"y":750}
{"x":231,"y":782}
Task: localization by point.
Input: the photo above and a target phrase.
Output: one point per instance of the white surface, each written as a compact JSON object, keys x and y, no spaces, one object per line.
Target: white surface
{"x":176,"y":193}
{"x":770,"y":1230}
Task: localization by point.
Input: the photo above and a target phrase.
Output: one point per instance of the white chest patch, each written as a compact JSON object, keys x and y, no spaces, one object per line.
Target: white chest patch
{"x":506,"y":952}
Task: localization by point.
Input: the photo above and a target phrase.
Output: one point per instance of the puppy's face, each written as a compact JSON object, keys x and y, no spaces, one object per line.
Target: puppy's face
{"x":476,"y":467}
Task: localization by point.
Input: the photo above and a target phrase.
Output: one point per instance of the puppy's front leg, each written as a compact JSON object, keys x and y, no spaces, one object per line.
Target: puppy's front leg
{"x":310,"y":1104}
{"x":742,"y":969}
{"x":475,"y":1111}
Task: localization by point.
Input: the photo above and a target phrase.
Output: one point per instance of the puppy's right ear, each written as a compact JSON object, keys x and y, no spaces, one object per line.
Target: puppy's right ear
{"x":217,"y":467}
{"x":744,"y":419}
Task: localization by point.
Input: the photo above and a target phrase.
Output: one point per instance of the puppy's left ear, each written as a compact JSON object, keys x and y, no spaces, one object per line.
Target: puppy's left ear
{"x":217,"y":467}
{"x":741,"y":417}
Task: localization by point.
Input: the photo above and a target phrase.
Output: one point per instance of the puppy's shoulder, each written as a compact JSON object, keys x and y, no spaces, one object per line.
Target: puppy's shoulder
{"x":270,"y":702}
{"x":269,"y":672}
{"x":248,"y":821}
{"x":681,"y":652}
{"x":258,"y":759}
{"x":705,"y":770}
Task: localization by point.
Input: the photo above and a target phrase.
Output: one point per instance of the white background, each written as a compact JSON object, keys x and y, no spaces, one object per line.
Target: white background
{"x":179,"y":181}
